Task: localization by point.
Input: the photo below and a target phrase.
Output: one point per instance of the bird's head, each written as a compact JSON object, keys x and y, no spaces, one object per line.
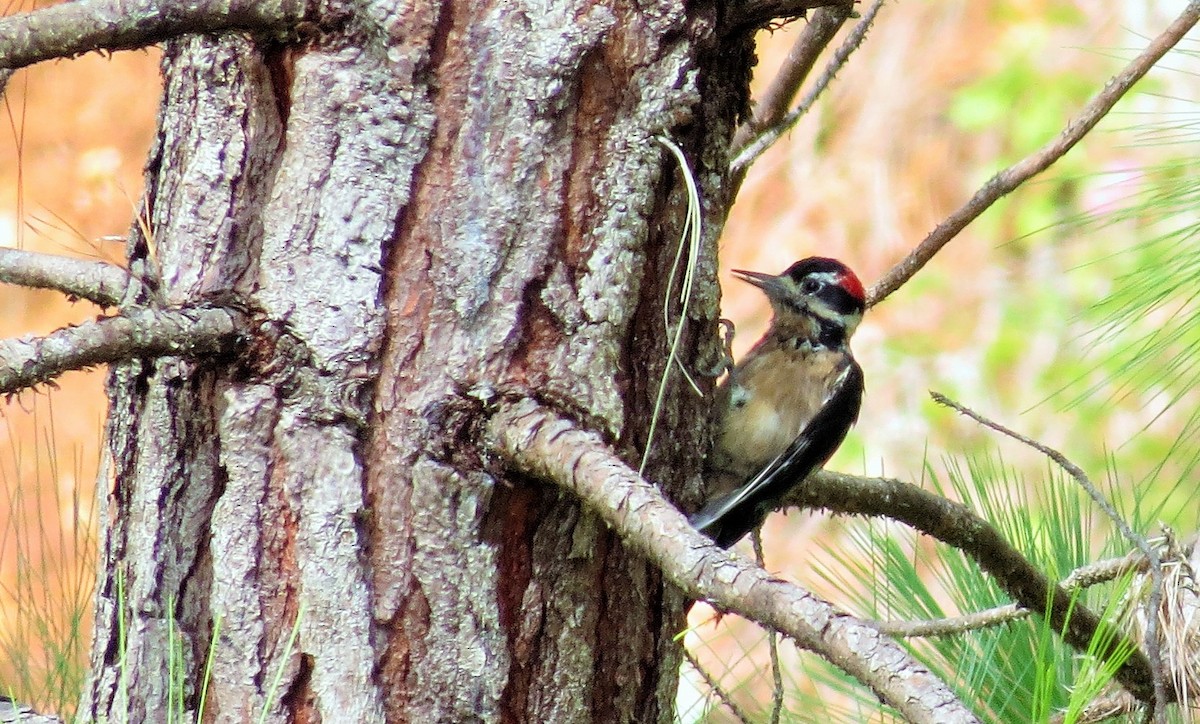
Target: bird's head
{"x":817,"y":287}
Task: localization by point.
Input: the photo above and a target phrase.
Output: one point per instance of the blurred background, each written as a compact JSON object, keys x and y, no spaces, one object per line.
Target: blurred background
{"x":73,"y":139}
{"x":1025,"y":317}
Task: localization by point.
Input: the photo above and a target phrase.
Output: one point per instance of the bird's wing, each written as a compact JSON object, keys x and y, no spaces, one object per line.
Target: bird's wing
{"x":811,"y":448}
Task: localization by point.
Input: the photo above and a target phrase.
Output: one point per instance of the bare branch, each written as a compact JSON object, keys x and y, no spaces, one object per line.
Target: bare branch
{"x":1010,"y":178}
{"x":954,"y":625}
{"x":1143,"y":545}
{"x":96,"y":281}
{"x":958,"y":526}
{"x":70,"y":29}
{"x":1106,"y":570}
{"x":1082,"y":577}
{"x":187,"y":332}
{"x":773,"y":104}
{"x":537,"y":441}
{"x":756,"y":146}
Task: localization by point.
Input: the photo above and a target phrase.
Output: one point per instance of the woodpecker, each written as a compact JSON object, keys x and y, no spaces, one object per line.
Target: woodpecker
{"x":788,"y":404}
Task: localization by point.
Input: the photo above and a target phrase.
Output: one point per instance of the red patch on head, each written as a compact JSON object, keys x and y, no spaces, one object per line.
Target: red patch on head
{"x":851,"y":284}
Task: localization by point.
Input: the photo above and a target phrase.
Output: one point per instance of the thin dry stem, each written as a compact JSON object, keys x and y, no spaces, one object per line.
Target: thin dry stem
{"x":715,"y":686}
{"x":772,"y":639}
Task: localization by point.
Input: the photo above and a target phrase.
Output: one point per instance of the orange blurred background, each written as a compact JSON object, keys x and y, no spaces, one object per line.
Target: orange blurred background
{"x":74,"y":138}
{"x":896,"y":144}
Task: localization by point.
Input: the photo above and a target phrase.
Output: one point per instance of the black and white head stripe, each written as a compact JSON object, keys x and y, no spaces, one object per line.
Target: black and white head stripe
{"x":816,"y":287}
{"x":831,"y":281}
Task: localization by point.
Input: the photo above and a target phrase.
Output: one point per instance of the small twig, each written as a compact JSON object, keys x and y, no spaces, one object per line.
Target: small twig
{"x":1010,"y":178}
{"x":764,"y":140}
{"x":954,"y":625}
{"x":773,"y":104}
{"x":1082,"y":577}
{"x":187,"y":332}
{"x":715,"y":686}
{"x":70,"y":29}
{"x":772,"y":639}
{"x":1143,"y":545}
{"x":96,"y":281}
{"x":1109,"y":569}
{"x":539,"y":442}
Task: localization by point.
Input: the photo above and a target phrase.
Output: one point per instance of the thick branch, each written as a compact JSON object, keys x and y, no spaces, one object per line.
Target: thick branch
{"x":956,"y":525}
{"x":187,"y":332}
{"x":539,"y":442}
{"x":96,"y":281}
{"x":70,"y":29}
{"x":1010,"y":178}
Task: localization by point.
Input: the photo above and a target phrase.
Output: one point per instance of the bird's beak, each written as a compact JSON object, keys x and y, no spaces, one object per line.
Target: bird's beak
{"x":771,"y":284}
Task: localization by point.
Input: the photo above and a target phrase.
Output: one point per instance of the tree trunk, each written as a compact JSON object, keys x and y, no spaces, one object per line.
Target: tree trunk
{"x":428,"y":207}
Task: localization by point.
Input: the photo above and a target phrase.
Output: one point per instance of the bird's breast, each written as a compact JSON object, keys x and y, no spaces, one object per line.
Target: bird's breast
{"x":765,"y":404}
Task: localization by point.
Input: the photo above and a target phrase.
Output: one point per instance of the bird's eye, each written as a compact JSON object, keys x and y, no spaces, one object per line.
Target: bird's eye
{"x":810,"y":286}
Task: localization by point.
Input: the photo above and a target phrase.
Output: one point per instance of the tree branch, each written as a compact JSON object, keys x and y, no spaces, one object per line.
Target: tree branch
{"x":96,"y":281}
{"x":186,"y":332}
{"x":956,"y":525}
{"x":773,"y":105}
{"x":1010,"y":178}
{"x":1082,"y":577}
{"x":757,"y":145}
{"x":954,"y":625}
{"x":70,"y":29}
{"x":536,"y":441}
{"x":1143,"y":545}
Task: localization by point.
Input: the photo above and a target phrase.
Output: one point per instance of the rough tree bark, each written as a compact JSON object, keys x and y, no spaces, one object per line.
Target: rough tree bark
{"x":422,"y":206}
